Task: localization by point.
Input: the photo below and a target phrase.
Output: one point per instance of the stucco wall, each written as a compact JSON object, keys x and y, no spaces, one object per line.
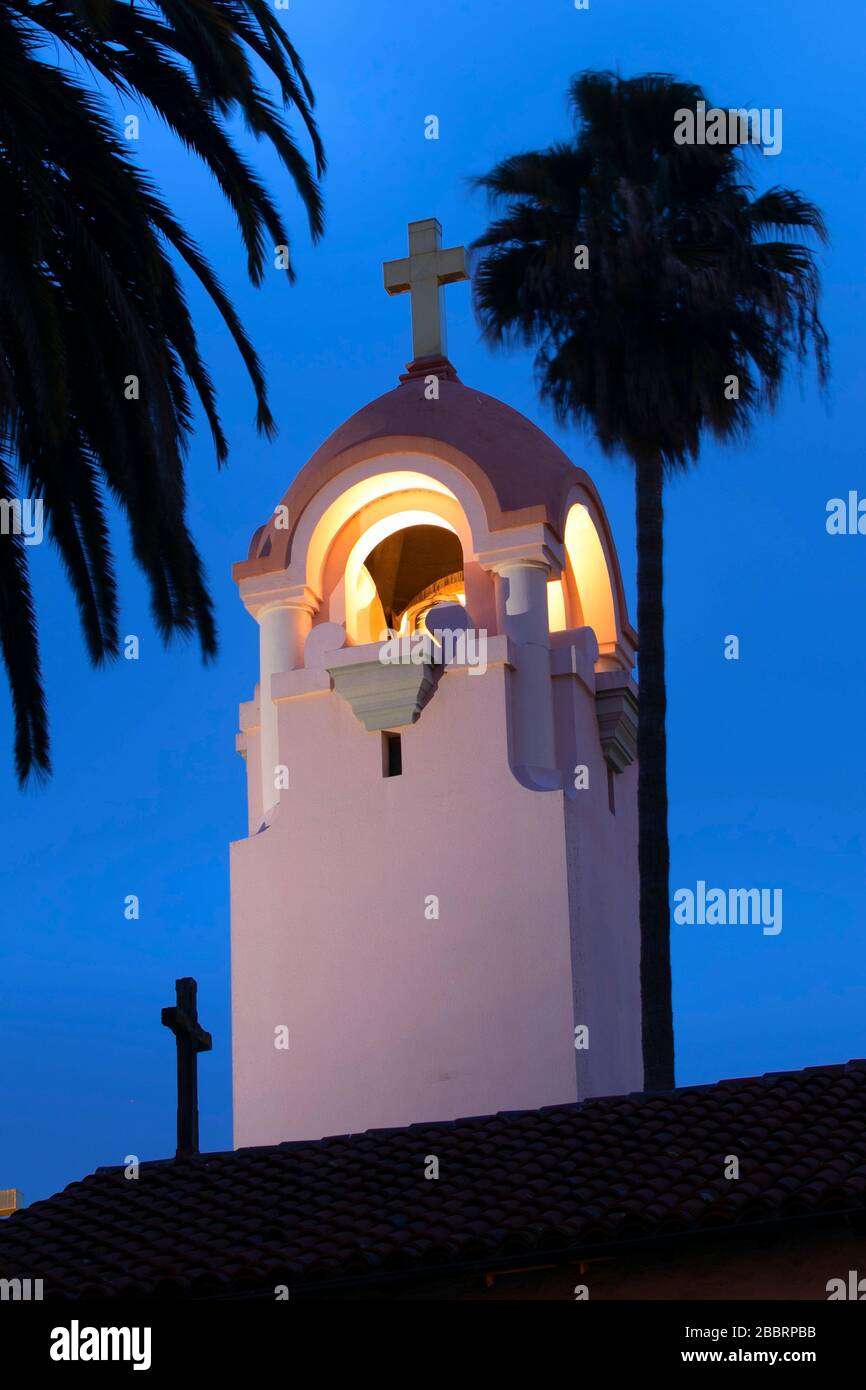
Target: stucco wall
{"x":394,"y":1018}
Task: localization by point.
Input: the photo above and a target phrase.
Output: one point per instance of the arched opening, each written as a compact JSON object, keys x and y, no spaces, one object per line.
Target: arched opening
{"x":413,"y":569}
{"x":335,"y":537}
{"x":590,"y":577}
{"x":318,"y":530}
{"x":397,"y":570}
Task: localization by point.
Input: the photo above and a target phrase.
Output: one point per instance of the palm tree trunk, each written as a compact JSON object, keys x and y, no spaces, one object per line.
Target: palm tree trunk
{"x":652,"y":789}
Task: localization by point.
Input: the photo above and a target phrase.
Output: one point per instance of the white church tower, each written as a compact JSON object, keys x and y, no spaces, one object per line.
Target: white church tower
{"x":435,"y":911}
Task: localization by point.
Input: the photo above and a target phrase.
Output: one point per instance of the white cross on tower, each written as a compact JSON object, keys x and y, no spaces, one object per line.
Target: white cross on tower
{"x":423,"y":273}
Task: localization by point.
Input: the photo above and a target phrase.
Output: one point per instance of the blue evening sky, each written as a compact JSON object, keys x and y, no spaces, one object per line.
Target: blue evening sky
{"x":767,"y":769}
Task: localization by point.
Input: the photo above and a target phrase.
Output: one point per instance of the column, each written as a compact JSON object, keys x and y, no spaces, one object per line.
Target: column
{"x":283,"y":629}
{"x":521,"y":600}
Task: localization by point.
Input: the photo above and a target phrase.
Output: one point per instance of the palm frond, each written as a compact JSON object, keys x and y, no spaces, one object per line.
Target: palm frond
{"x":91,"y":298}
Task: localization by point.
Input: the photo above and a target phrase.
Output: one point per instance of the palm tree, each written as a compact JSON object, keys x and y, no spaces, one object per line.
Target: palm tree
{"x":99,"y":362}
{"x":696,"y":296}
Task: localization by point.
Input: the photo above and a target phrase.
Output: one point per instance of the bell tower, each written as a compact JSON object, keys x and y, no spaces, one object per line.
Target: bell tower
{"x":435,"y":910}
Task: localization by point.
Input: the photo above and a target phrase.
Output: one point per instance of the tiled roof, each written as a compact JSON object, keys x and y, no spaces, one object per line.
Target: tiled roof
{"x":511,"y":1187}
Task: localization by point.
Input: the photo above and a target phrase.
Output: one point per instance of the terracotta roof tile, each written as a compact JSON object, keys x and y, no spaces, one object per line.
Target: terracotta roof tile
{"x":518,"y":1184}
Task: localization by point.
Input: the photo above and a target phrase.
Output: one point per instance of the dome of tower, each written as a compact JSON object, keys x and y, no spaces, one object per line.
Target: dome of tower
{"x":515,"y":467}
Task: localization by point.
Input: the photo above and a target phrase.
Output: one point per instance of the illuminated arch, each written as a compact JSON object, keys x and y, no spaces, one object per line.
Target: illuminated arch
{"x":594,"y":583}
{"x":346,"y":499}
{"x":364,"y":617}
{"x":588,"y":565}
{"x":351,"y":516}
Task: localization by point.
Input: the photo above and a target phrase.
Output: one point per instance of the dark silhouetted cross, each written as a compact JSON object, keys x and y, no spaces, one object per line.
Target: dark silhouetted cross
{"x":191,"y":1039}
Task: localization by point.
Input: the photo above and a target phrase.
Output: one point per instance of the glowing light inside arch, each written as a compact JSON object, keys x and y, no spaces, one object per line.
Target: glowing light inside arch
{"x":354,"y":500}
{"x":589,"y":567}
{"x":556,"y":606}
{"x":364,"y":617}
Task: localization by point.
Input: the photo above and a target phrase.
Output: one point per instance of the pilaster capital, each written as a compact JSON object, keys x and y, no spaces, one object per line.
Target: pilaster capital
{"x":262,"y":592}
{"x":535,"y":547}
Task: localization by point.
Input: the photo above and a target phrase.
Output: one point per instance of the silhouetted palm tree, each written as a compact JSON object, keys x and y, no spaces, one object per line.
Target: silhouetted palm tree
{"x":692,"y":280}
{"x":90,"y":297}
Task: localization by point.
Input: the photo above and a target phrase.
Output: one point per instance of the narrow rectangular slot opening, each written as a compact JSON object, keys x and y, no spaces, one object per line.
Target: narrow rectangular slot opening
{"x":392,"y":755}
